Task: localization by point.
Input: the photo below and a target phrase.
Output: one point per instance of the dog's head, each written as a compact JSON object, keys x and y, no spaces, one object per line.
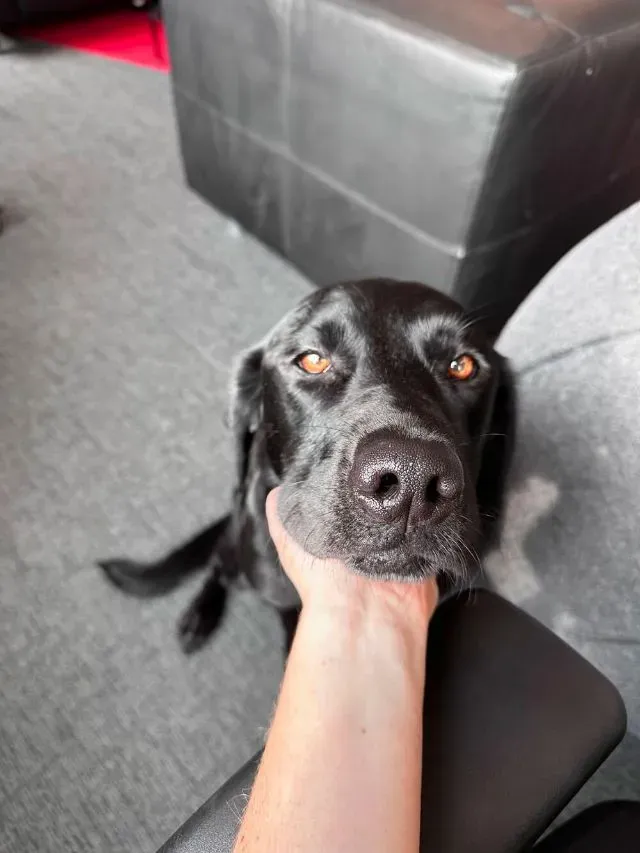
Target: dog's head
{"x":372,"y":401}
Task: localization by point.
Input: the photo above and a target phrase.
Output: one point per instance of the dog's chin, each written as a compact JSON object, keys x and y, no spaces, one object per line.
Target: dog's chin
{"x":395,"y":566}
{"x":405,"y":561}
{"x":402,"y":564}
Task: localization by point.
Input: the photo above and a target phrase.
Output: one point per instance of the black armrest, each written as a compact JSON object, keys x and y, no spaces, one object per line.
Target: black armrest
{"x":515,"y":723}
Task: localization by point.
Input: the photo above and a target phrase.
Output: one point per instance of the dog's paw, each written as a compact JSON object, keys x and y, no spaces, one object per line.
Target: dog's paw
{"x":202,"y":617}
{"x":194,"y":629}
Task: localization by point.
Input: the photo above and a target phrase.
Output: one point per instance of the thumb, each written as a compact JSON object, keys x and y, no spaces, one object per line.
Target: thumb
{"x":290,"y":553}
{"x":297,"y":563}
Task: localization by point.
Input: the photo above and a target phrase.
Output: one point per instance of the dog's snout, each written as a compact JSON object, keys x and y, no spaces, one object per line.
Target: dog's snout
{"x":405,"y":481}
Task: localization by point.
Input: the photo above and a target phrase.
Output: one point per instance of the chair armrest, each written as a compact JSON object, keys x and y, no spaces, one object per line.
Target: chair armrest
{"x":515,"y":723}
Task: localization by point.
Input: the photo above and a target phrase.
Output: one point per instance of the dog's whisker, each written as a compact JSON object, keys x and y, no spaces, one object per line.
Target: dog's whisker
{"x":481,"y":436}
{"x":460,"y":561}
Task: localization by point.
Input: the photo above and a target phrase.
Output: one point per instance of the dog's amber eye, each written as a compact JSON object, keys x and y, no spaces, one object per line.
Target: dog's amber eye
{"x":463,"y":367}
{"x":313,"y":362}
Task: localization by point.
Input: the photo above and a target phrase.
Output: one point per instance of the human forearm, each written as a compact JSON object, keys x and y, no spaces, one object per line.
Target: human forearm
{"x":341,"y":768}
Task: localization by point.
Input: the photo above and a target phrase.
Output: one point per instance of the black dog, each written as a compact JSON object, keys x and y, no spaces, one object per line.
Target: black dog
{"x":387,"y":417}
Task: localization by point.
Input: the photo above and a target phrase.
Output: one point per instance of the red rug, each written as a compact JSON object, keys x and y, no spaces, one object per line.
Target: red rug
{"x":129,"y":36}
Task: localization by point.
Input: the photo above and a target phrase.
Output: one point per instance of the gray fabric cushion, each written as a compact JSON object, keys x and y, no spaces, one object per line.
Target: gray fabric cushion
{"x":570,"y":551}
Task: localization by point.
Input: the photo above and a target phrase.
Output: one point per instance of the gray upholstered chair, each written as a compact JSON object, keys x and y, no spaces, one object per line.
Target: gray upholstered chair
{"x":570,"y":553}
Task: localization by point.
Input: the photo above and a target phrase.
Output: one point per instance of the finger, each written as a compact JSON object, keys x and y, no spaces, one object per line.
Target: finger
{"x":293,"y":557}
{"x":288,"y":549}
{"x":273,"y":520}
{"x":433,"y":594}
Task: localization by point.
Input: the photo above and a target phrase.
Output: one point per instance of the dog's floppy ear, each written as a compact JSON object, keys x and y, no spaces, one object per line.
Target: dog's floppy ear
{"x":497,"y":449}
{"x":245,"y":407}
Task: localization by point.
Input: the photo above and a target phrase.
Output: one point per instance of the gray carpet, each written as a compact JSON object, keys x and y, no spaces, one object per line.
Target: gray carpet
{"x":122,"y":301}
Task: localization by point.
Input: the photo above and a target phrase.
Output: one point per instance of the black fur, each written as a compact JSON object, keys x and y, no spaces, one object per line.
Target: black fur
{"x":390,"y":344}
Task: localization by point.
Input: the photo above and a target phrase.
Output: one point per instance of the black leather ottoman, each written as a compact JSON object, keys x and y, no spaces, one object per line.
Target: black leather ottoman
{"x":467,"y":143}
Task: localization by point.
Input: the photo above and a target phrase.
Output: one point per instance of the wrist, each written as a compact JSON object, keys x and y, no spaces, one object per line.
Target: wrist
{"x":356,"y":649}
{"x":347,"y":599}
{"x":371,"y":616}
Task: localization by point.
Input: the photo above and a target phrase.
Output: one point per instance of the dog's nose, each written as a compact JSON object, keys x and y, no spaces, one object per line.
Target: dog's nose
{"x":405,"y":481}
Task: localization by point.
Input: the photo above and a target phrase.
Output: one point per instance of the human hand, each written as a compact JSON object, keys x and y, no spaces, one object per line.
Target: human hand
{"x":328,"y":584}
